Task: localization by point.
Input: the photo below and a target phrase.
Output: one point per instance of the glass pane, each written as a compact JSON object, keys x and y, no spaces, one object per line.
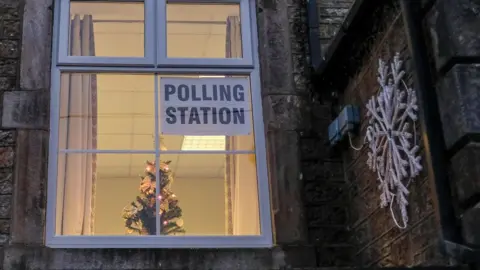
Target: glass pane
{"x":203,"y":31}
{"x":93,"y":191}
{"x":194,"y":109}
{"x":107,"y":112}
{"x":217,"y":193}
{"x":108,"y":29}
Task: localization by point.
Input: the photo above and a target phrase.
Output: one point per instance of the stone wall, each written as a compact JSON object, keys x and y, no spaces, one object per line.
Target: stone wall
{"x":453,"y":27}
{"x":10,"y":37}
{"x":25,"y":111}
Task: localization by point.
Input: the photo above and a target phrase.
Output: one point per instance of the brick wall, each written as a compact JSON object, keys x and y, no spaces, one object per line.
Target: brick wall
{"x":324,"y":181}
{"x":322,"y":172}
{"x":10,"y":35}
{"x":377,"y":240}
{"x":346,"y":222}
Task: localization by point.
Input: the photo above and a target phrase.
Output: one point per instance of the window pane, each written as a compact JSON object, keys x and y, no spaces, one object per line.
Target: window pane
{"x":94,"y":189}
{"x":108,"y":29}
{"x":107,"y":112}
{"x":217,"y":193}
{"x":203,"y":31}
{"x":189,"y":107}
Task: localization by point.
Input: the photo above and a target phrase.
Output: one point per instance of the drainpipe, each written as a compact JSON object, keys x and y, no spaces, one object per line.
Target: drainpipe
{"x":314,"y":35}
{"x":435,"y":151}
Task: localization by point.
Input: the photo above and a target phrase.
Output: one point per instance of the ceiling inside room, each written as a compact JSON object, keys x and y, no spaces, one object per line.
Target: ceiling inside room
{"x":125,"y":102}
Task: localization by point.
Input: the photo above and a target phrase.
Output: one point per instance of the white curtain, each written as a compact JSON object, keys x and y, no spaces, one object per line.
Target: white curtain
{"x":233,"y":50}
{"x":77,"y":130}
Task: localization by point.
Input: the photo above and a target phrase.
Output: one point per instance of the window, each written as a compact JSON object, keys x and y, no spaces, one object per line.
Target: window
{"x":157,"y":136}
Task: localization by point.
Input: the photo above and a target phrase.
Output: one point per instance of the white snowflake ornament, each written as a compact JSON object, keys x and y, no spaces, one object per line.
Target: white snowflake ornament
{"x":392,"y":146}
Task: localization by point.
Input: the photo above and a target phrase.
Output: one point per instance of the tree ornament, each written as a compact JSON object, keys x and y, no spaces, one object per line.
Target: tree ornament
{"x":150,"y":167}
{"x":393,"y":151}
{"x":179,"y":222}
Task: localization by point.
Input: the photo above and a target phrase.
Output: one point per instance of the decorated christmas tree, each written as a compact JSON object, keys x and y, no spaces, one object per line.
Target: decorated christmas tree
{"x":140,"y":216}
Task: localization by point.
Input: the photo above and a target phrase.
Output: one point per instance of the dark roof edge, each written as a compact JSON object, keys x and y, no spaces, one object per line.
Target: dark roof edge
{"x":357,"y":10}
{"x":345,"y":53}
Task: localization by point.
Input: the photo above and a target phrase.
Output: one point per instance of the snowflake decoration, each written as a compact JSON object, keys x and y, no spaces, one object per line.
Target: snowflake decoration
{"x":392,"y":115}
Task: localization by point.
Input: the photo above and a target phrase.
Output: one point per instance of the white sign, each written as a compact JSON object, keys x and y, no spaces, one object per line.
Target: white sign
{"x":205,"y":106}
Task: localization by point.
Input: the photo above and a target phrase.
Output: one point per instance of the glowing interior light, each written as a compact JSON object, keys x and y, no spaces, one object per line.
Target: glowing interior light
{"x":203,"y":143}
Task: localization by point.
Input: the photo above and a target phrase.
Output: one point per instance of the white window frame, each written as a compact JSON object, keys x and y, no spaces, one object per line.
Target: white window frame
{"x":159,"y":64}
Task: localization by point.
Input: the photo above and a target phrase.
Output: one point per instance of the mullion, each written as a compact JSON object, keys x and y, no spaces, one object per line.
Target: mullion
{"x":189,"y":70}
{"x":158,"y":220}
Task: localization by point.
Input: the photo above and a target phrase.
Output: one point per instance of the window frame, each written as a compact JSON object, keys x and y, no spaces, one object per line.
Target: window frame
{"x":247,"y":66}
{"x":152,"y":42}
{"x":247,"y":57}
{"x":63,"y":25}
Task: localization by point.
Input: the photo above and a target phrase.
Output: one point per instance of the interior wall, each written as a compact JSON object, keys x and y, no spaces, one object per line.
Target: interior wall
{"x":203,"y":208}
{"x":246,"y":214}
{"x":112,"y":195}
{"x":203,"y":203}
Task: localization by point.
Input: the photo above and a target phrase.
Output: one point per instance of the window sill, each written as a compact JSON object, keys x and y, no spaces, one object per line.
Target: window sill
{"x":74,"y":242}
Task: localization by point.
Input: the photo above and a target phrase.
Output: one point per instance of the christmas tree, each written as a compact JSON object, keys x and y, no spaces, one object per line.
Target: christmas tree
{"x":140,"y":216}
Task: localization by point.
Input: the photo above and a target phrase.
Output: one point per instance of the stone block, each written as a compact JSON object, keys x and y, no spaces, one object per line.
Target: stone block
{"x":287,"y":187}
{"x":362,"y":234}
{"x":454,"y":27}
{"x":459,"y":102}
{"x":10,"y":12}
{"x":36,"y":45}
{"x":7,"y":138}
{"x":296,"y":257}
{"x":26,"y":109}
{"x":4,"y":239}
{"x":8,"y":83}
{"x":420,"y":200}
{"x":313,"y":148}
{"x":9,"y":4}
{"x":31,"y":257}
{"x":9,"y":48}
{"x":470,"y":224}
{"x":286,"y":112}
{"x":337,"y":255}
{"x":465,"y":172}
{"x":6,"y":184}
{"x":335,"y":3}
{"x":282,"y":47}
{"x":329,"y":214}
{"x":334,"y":12}
{"x":10,"y":29}
{"x":322,"y":171}
{"x":5,"y":206}
{"x":5,"y":226}
{"x":274,"y":51}
{"x":323,"y":192}
{"x":8,"y":67}
{"x":427,"y":3}
{"x":25,"y":258}
{"x":324,"y":235}
{"x":28,"y":219}
{"x":6,"y":157}
{"x":328,"y":30}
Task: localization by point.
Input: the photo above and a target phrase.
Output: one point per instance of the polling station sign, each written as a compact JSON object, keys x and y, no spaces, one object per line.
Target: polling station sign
{"x":205,"y":106}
